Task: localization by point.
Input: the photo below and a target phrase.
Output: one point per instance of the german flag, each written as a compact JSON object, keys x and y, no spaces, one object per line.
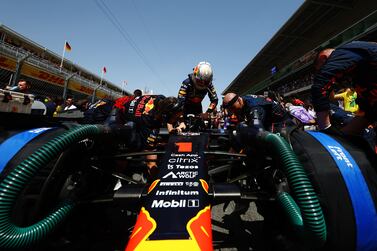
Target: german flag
{"x":67,"y":46}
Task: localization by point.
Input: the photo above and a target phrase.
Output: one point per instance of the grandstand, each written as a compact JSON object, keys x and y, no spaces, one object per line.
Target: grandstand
{"x":21,"y":58}
{"x":284,"y":64}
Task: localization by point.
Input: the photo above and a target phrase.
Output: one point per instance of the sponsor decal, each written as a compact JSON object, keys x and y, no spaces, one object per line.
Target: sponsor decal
{"x":172,"y":183}
{"x":170,"y":174}
{"x":193,"y":203}
{"x":39,"y":130}
{"x":35,"y":72}
{"x":200,"y":230}
{"x":140,"y":106}
{"x":168,"y":204}
{"x":192,"y":183}
{"x":144,"y":227}
{"x":170,"y":166}
{"x":339,"y":155}
{"x":180,"y":160}
{"x":7,"y":63}
{"x":181,"y":175}
{"x":177,"y":192}
{"x":189,"y":155}
{"x":184,"y":146}
{"x":132,"y":105}
{"x":175,"y":203}
{"x":153,"y":185}
{"x":149,"y":106}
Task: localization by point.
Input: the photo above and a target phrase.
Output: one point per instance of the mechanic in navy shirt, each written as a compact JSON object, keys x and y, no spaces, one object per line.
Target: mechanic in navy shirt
{"x":356,"y":60}
{"x":269,"y":111}
{"x":149,"y":114}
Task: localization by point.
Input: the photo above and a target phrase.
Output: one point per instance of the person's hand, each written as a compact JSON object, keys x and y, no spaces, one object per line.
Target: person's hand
{"x":181,"y":127}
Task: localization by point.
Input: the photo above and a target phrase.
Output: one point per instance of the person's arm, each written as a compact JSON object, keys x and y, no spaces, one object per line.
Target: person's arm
{"x":340,"y":61}
{"x":182,"y":93}
{"x":212,"y":98}
{"x":170,"y":127}
{"x":339,"y":96}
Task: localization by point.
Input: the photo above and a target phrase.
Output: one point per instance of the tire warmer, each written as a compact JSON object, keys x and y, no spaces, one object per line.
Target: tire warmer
{"x":176,"y":213}
{"x":363,"y":206}
{"x":10,"y":147}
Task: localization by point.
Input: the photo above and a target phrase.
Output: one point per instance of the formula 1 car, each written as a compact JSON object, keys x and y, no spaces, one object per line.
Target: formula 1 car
{"x":66,"y":186}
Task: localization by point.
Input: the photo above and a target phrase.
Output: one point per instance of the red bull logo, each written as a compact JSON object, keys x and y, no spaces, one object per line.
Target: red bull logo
{"x":149,"y":106}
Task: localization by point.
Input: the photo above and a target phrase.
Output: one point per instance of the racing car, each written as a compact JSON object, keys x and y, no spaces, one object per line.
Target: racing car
{"x":69,"y":186}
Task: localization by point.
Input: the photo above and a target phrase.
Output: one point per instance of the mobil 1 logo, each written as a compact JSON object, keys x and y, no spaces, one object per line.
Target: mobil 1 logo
{"x":175,"y":203}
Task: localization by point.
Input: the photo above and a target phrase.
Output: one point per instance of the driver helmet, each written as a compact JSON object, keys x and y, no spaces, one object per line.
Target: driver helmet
{"x":202,"y":75}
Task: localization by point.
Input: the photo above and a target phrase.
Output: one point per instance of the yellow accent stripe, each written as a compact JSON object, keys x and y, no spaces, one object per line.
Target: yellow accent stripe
{"x":204,"y":230}
{"x":137,"y":231}
{"x":153,"y":185}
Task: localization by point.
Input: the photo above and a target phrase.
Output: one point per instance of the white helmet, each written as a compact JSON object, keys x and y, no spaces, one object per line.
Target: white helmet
{"x":202,"y":75}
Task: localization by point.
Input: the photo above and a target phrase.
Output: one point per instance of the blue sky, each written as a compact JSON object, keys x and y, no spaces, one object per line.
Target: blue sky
{"x":152,"y":44}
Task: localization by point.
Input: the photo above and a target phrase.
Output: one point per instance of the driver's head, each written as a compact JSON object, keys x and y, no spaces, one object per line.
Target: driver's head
{"x":321,"y":58}
{"x":202,"y":75}
{"x":232,"y":102}
{"x":170,"y":109}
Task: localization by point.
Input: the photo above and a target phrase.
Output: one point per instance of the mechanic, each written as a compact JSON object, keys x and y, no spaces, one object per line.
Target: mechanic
{"x":148,"y":114}
{"x":246,"y":108}
{"x":356,"y":60}
{"x":194,"y":89}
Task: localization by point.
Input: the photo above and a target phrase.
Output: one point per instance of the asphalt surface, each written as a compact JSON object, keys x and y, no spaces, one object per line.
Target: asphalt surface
{"x":236,"y":226}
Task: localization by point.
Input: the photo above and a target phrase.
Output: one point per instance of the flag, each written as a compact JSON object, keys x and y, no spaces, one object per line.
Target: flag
{"x":67,"y":46}
{"x":104,"y":70}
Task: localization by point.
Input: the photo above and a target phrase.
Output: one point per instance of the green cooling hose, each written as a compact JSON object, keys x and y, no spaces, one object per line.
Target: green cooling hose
{"x":12,"y":236}
{"x":306,"y":215}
